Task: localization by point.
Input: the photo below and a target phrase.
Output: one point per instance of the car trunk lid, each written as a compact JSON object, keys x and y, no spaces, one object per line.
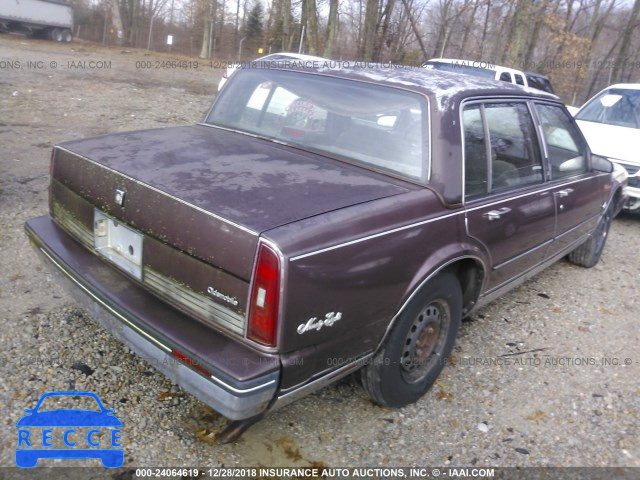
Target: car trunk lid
{"x":252,"y":183}
{"x":201,"y":197}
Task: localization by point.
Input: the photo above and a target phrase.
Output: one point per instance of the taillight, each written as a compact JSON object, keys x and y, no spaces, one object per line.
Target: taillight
{"x":264,"y":299}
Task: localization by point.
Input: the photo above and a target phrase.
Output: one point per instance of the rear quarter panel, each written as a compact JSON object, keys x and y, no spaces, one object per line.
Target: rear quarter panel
{"x":362,"y":263}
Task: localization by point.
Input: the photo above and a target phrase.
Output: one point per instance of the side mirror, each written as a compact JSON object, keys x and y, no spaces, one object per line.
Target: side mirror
{"x":601,"y":164}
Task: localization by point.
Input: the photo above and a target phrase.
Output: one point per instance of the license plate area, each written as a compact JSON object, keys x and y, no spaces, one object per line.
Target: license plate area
{"x":118,"y":243}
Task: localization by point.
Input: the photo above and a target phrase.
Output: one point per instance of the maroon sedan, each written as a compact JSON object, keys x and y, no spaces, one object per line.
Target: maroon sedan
{"x":318,"y":222}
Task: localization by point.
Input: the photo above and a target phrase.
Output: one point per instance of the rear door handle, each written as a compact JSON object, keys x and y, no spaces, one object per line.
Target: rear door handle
{"x":496,"y":214}
{"x":564,"y":193}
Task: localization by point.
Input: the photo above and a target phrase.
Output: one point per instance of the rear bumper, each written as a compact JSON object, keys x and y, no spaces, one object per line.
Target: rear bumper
{"x":230,"y":377}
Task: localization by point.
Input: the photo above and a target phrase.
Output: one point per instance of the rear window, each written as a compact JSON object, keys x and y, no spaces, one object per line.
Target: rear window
{"x":376,"y":126}
{"x":616,"y":106}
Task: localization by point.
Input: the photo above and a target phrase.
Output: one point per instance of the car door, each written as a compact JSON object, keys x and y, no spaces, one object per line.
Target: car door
{"x":508,"y":207}
{"x":578,"y":192}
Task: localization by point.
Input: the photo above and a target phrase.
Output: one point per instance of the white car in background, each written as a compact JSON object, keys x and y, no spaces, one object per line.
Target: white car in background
{"x":274,"y":57}
{"x":492,"y":71}
{"x":610,"y":122}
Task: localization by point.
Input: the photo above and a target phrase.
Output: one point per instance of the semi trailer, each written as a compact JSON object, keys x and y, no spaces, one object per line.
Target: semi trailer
{"x":52,"y":19}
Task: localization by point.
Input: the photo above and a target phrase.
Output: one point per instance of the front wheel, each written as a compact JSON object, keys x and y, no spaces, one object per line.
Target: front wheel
{"x":588,"y":254}
{"x":415,"y":351}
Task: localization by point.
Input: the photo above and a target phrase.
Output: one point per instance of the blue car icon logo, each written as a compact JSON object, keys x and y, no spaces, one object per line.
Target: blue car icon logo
{"x":66,"y":433}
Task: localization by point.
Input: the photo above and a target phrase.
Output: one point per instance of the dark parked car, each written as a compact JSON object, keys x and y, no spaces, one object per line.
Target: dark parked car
{"x":318,"y":222}
{"x":539,"y":81}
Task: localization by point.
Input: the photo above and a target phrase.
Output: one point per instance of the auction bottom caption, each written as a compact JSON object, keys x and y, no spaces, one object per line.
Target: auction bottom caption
{"x":312,"y":472}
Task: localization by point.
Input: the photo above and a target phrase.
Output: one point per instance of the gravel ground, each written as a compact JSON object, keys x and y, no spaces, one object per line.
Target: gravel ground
{"x":566,"y":398}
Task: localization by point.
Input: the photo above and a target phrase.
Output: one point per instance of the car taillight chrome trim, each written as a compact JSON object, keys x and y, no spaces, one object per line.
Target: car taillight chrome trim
{"x":266,"y":292}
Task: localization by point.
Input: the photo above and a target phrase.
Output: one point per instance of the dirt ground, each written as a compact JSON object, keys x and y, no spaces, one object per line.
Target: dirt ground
{"x":576,"y":402}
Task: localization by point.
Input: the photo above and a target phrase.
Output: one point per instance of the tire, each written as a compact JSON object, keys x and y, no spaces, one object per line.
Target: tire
{"x":588,"y":254}
{"x":415,"y":350}
{"x":67,"y":36}
{"x":55,"y":35}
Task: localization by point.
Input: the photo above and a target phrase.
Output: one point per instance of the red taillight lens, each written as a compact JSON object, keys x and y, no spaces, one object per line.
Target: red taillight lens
{"x":265,"y":297}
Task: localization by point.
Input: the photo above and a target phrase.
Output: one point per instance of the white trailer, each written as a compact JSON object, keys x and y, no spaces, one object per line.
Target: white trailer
{"x":52,"y":19}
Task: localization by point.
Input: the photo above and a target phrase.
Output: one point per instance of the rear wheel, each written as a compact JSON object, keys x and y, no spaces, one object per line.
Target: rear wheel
{"x":415,"y":351}
{"x":588,"y":254}
{"x":67,"y":36}
{"x":56,"y":34}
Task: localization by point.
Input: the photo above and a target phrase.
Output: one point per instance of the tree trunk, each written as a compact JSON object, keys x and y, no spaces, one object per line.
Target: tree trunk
{"x":415,"y":29}
{"x":286,"y":24}
{"x":312,"y":27}
{"x":116,"y":20}
{"x":499,"y":51}
{"x":485,"y":28}
{"x":623,"y":54}
{"x":596,"y":75}
{"x":235,"y":35}
{"x":370,"y":29}
{"x":204,"y":51}
{"x":332,"y":28}
{"x":467,"y":29}
{"x":382,"y":38}
{"x":520,"y":33}
{"x":443,"y":28}
{"x":535,"y":35}
{"x":303,"y":26}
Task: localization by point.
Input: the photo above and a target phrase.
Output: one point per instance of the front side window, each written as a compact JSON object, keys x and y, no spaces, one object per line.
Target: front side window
{"x":376,"y":126}
{"x":616,"y":106}
{"x":564,"y":145}
{"x":501,"y":148}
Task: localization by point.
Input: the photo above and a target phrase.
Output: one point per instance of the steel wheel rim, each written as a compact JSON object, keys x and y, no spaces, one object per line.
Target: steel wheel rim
{"x":425,"y":341}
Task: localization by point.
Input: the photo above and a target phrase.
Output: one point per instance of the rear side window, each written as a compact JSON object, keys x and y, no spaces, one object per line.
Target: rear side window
{"x":475,"y":152}
{"x":501,"y":148}
{"x":564,"y":144}
{"x":519,"y":79}
{"x":505,"y":77}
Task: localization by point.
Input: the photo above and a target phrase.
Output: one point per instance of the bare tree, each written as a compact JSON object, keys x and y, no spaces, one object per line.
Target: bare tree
{"x":312,"y":27}
{"x":623,"y":54}
{"x":117,"y":21}
{"x":414,"y":27}
{"x":332,"y":29}
{"x":370,"y":29}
